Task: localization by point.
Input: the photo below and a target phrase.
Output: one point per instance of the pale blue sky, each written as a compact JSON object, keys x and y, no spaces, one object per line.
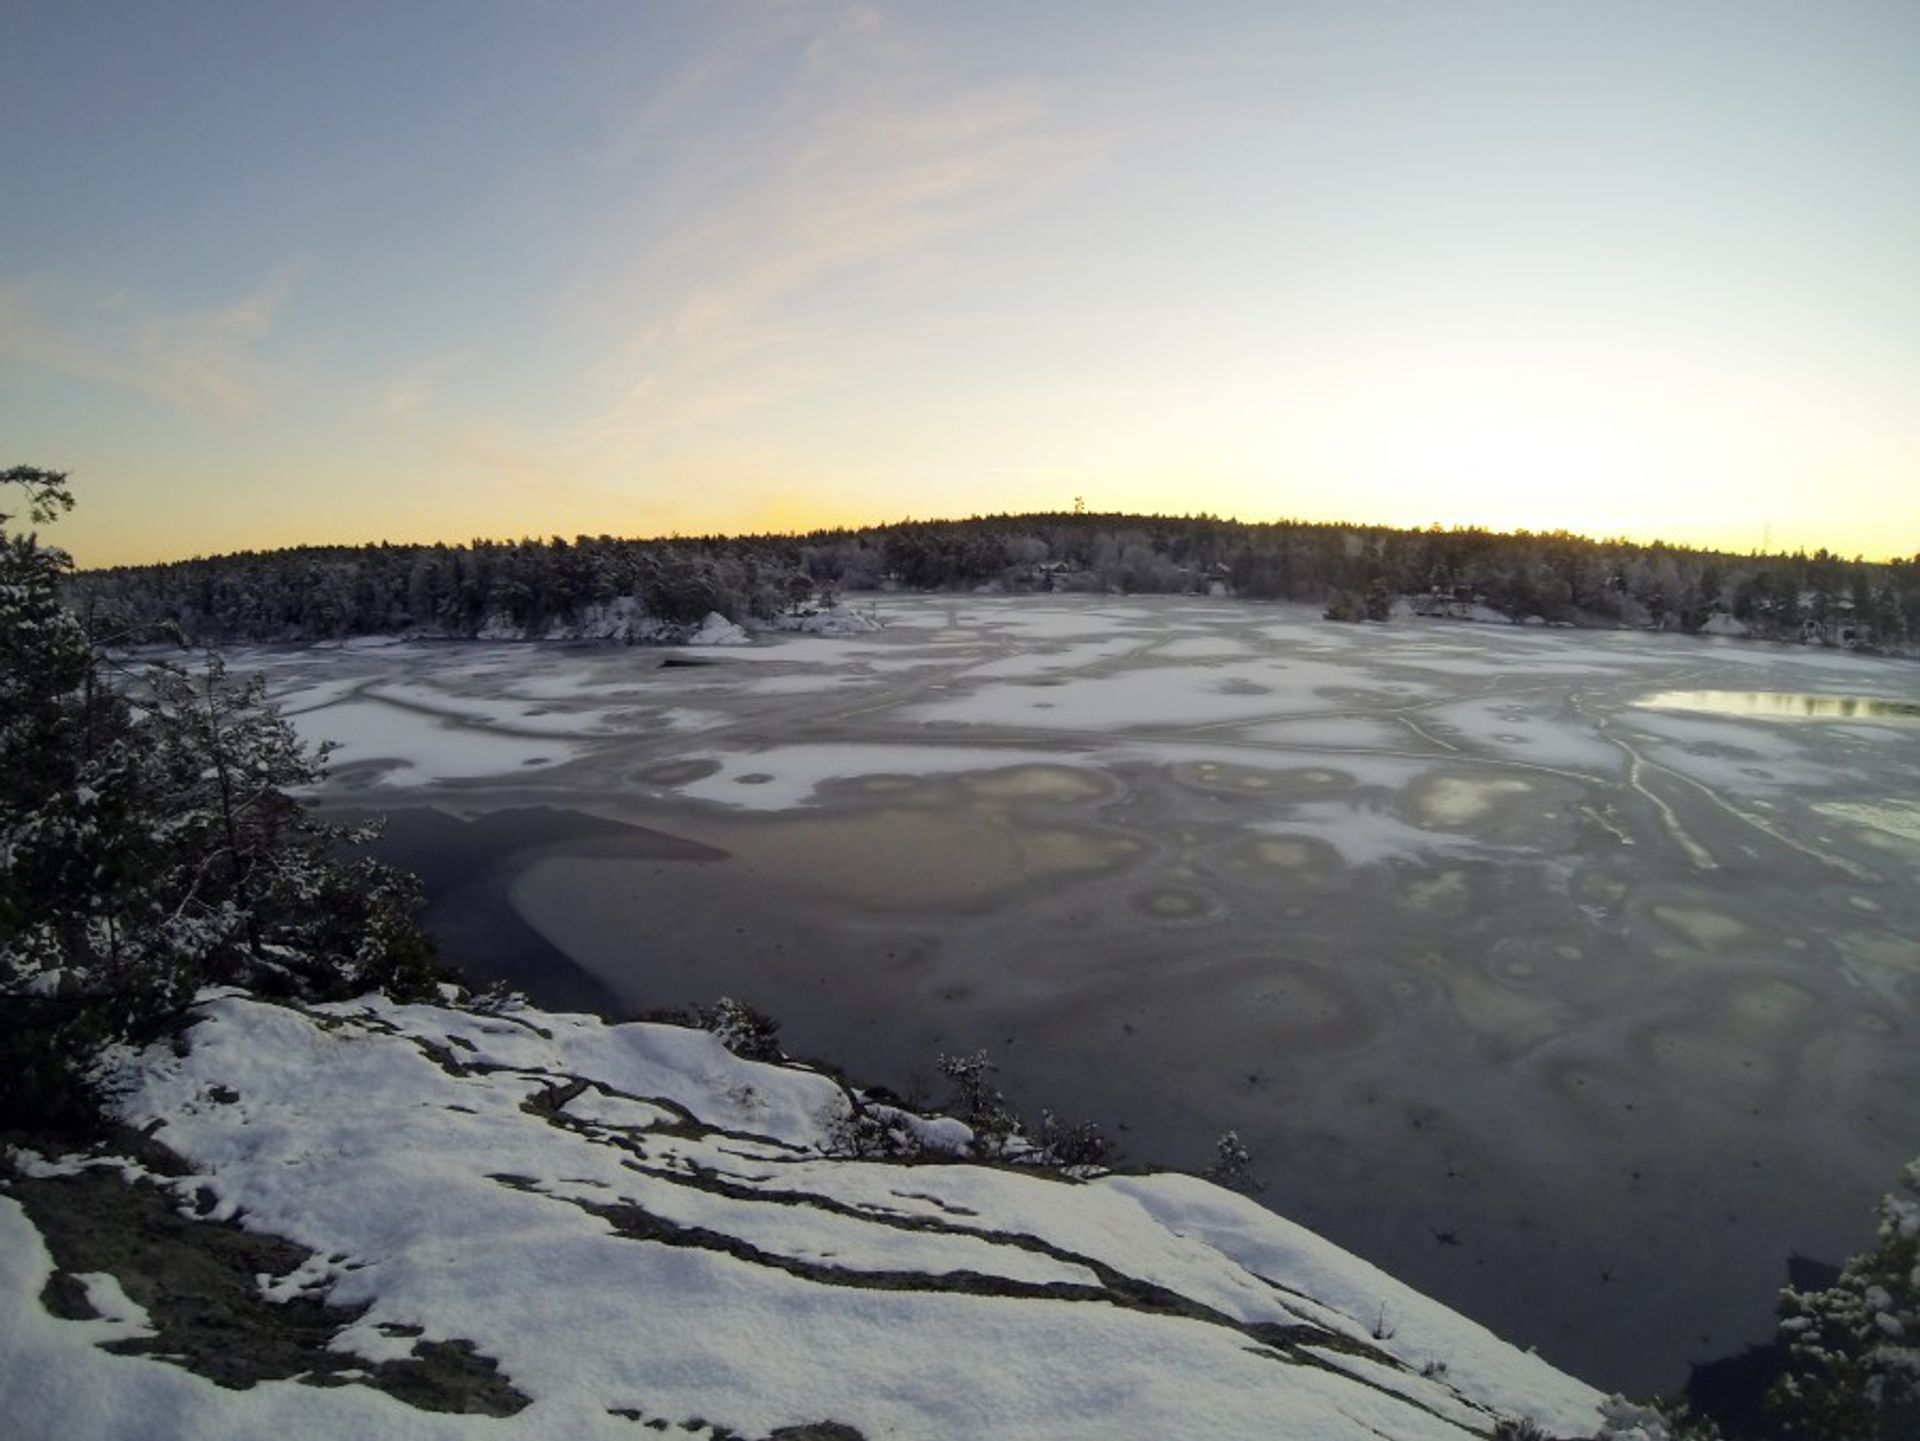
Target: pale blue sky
{"x":273,"y":273}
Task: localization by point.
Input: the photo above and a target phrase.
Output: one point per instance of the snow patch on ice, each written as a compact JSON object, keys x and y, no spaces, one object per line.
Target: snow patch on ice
{"x":1365,"y":835}
{"x":1157,"y":696}
{"x":420,"y":749}
{"x":1522,"y":729}
{"x":784,"y":777}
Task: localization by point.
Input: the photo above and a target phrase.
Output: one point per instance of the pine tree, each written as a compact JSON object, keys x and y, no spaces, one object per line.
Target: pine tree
{"x":277,"y":910}
{"x":149,"y":845}
{"x":68,"y":820}
{"x":1854,"y":1348}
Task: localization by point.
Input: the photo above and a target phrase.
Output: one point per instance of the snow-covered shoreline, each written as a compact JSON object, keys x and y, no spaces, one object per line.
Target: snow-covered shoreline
{"x":621,"y":1223}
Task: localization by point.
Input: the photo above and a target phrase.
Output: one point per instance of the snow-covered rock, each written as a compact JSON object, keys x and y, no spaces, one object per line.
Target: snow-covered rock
{"x":620,"y":619}
{"x":588,"y":1229}
{"x":830,"y":620}
{"x":1720,"y":623}
{"x":716,"y":629}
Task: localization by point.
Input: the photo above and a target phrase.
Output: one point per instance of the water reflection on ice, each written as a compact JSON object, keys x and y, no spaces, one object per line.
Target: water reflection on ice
{"x":1786,"y":705}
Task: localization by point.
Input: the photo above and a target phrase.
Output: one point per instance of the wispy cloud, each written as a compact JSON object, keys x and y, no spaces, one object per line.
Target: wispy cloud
{"x":199,"y":361}
{"x":870,"y":165}
{"x":413,"y":390}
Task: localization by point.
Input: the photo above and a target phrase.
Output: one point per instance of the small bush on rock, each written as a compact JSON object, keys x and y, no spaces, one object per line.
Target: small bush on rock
{"x":751,"y":1034}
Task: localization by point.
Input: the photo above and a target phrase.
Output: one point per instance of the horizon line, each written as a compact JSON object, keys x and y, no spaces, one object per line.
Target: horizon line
{"x":1617,"y":540}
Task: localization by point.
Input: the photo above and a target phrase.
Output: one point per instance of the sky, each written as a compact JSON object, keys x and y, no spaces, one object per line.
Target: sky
{"x":288,"y":273}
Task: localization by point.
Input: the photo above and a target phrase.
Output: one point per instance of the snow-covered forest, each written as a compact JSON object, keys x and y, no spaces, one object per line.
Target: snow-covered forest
{"x":602,"y":585}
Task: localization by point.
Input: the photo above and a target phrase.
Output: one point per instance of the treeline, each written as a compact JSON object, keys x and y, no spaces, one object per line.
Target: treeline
{"x":560,"y":587}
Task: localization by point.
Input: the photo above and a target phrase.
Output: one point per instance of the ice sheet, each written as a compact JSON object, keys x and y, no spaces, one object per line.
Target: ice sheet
{"x":783,"y":777}
{"x":1549,"y":733}
{"x":1160,"y":696}
{"x":1366,"y":835}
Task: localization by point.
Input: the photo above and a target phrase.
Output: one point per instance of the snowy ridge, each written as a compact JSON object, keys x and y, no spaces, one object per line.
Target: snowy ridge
{"x":587,"y":1230}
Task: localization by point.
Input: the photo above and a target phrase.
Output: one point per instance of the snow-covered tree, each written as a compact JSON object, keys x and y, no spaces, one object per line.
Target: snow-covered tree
{"x":1232,"y":1164}
{"x":1854,"y":1348}
{"x":69,"y":823}
{"x":148,"y":845}
{"x":274,"y":906}
{"x":979,"y":1102}
{"x":742,"y":1029}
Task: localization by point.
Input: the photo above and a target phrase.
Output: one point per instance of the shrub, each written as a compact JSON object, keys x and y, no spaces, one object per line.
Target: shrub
{"x":1232,"y":1164}
{"x":750,"y":1034}
{"x":1073,"y":1145}
{"x":979,"y":1103}
{"x":865,"y":1132}
{"x":1853,"y":1349}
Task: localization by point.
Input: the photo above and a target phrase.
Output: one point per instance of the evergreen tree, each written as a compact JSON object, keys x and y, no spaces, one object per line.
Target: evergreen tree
{"x":68,"y":826}
{"x":148,"y":845}
{"x":1854,"y":1348}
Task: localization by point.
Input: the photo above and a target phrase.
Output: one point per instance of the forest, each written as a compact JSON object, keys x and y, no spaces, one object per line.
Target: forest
{"x":583,"y":586}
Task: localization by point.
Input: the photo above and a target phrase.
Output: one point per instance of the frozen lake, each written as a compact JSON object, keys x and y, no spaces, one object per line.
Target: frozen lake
{"x":1571,"y":976}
